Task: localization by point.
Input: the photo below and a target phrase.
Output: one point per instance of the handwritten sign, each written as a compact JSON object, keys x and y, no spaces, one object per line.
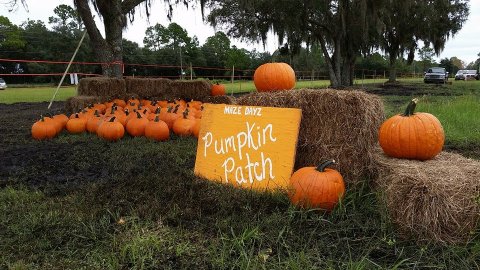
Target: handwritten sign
{"x":248,"y":146}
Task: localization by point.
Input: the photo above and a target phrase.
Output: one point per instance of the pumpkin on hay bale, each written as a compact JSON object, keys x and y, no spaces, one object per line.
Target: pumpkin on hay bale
{"x":339,"y":124}
{"x":102,"y":86}
{"x":274,"y":77}
{"x":434,"y":200}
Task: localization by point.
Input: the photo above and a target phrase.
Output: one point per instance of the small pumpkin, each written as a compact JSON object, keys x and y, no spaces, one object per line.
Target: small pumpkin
{"x":94,"y":122}
{"x":274,"y":77}
{"x":111,"y":130}
{"x":184,"y":126}
{"x":42,"y":130}
{"x":316,"y":187}
{"x":157,"y":130}
{"x":136,"y":126}
{"x":76,"y":125}
{"x":218,"y":90}
{"x":62,"y":118}
{"x":412,"y":135}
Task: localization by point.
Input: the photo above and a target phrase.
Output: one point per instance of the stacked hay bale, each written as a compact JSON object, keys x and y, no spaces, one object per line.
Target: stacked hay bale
{"x":94,"y":90}
{"x":336,"y":124}
{"x":434,"y":200}
{"x":149,"y":88}
{"x":196,"y":90}
{"x":220,"y":100}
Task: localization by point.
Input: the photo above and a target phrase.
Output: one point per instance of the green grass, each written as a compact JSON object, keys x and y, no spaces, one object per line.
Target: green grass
{"x":37,"y":94}
{"x":78,"y":202}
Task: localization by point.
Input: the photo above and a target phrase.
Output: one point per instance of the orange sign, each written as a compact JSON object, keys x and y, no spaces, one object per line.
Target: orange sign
{"x":248,"y":146}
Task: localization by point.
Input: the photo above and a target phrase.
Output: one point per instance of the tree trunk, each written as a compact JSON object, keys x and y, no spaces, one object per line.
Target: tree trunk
{"x":392,"y":76}
{"x":107,"y":50}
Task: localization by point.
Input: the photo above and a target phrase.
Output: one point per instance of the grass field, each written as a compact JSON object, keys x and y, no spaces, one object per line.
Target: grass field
{"x":77,"y":202}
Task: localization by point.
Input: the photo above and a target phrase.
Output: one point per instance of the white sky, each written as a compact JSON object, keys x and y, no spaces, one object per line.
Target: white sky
{"x":465,"y":45}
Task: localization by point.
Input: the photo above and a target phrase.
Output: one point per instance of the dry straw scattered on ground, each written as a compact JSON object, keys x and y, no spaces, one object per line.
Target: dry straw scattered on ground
{"x":220,"y":100}
{"x":435,"y":200}
{"x":103,"y":87}
{"x":336,"y":124}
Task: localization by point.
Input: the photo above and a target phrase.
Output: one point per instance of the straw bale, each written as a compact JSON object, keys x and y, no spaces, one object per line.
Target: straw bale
{"x":196,"y":90}
{"x":336,"y":124}
{"x":77,"y":103}
{"x":102,"y":86}
{"x":220,"y":100}
{"x":434,"y":200}
{"x":149,"y":88}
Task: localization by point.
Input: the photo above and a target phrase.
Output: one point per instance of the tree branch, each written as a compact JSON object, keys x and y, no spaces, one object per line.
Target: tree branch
{"x":87,"y":17}
{"x":129,"y":5}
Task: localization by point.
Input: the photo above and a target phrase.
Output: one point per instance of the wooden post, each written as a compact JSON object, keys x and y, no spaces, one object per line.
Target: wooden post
{"x":191,"y":72}
{"x":233,"y":72}
{"x":68,"y":67}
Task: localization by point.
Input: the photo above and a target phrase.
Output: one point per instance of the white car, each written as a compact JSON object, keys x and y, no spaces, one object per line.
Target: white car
{"x":3,"y":84}
{"x":465,"y":74}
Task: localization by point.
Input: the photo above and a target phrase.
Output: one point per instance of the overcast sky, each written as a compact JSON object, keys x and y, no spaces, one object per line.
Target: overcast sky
{"x":465,"y":45}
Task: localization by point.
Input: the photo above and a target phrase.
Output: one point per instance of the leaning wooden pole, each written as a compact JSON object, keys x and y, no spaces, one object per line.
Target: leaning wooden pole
{"x":68,"y":67}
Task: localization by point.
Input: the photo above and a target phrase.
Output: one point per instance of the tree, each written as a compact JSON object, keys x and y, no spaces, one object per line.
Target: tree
{"x":407,"y":22}
{"x":66,"y":21}
{"x":342,"y":27}
{"x":10,"y":35}
{"x":216,"y":49}
{"x":426,"y":56}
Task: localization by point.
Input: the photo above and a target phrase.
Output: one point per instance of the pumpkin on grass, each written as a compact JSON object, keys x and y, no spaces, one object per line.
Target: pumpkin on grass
{"x":111,"y":130}
{"x":157,"y":130}
{"x":76,"y":125}
{"x":316,"y":187}
{"x":136,"y":126}
{"x":94,"y":122}
{"x":42,"y":130}
{"x":184,"y":126}
{"x":412,"y":135}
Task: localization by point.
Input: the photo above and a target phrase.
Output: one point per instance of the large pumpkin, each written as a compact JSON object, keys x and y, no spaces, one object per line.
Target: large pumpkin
{"x":412,"y":135}
{"x":316,"y":187}
{"x":218,"y":90}
{"x":274,"y":77}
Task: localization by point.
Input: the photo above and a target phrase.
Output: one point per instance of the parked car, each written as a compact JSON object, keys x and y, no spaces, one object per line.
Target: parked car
{"x":3,"y":84}
{"x":465,"y":74}
{"x":436,"y":75}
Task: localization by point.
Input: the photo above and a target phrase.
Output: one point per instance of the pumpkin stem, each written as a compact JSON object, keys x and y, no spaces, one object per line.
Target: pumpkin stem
{"x":112,"y":110}
{"x":139,"y":116}
{"x":411,"y":107}
{"x":157,"y":118}
{"x":96,"y":113}
{"x":185,"y":114}
{"x":169,"y":110}
{"x":76,"y":115}
{"x":325,"y":164}
{"x":112,"y":119}
{"x":157,"y":111}
{"x":176,"y":108}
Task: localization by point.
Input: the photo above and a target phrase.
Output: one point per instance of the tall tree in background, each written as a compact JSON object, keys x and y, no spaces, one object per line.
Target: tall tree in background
{"x":66,"y":20}
{"x":407,"y":22}
{"x":342,"y":28}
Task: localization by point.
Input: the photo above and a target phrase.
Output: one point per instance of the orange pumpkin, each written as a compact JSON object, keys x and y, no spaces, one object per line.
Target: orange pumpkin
{"x":316,"y":187}
{"x":136,"y":126}
{"x":76,"y":125}
{"x":184,"y":126}
{"x":157,"y":130}
{"x":42,"y":130}
{"x":111,"y":130}
{"x":218,"y":90}
{"x":274,"y":77}
{"x":412,"y":135}
{"x":62,"y":118}
{"x":94,"y":122}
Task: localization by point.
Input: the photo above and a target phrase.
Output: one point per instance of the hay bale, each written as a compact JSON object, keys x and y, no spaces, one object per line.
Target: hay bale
{"x":77,"y":103}
{"x":196,"y":90}
{"x":336,"y":124}
{"x":102,"y":86}
{"x":219,"y":100}
{"x":149,"y":88}
{"x":434,"y":200}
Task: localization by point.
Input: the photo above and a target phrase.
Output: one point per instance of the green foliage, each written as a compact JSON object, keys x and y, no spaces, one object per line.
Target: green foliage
{"x":10,"y":35}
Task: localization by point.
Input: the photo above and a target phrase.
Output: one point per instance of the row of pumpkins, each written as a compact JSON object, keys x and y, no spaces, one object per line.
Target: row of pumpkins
{"x":410,"y":135}
{"x":111,"y":120}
